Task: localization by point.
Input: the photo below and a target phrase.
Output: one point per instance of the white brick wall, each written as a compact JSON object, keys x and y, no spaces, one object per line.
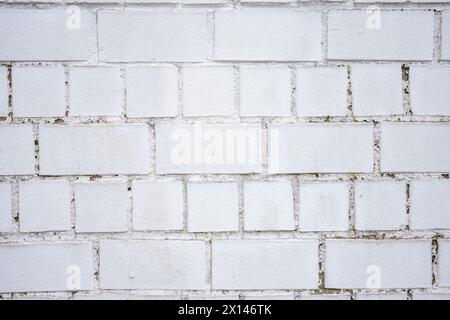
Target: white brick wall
{"x":247,"y":149}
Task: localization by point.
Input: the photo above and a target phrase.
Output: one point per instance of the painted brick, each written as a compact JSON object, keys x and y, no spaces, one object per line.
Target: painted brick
{"x":46,"y":267}
{"x":208,"y":91}
{"x":5,"y":208}
{"x":101,"y":207}
{"x":265,"y":91}
{"x":265,"y":264}
{"x":44,"y":206}
{"x":361,"y":263}
{"x":212,"y":207}
{"x":324,"y":206}
{"x":94,"y":149}
{"x":430,"y":296}
{"x":153,"y":265}
{"x":16,"y":142}
{"x":445,"y":53}
{"x":157,"y":205}
{"x":322,"y":91}
{"x":444,"y":263}
{"x":56,"y":35}
{"x":208,"y":148}
{"x":382,"y":296}
{"x":380,"y":205}
{"x":377,"y":89}
{"x":255,"y":35}
{"x":429,"y":94}
{"x":406,"y":147}
{"x":4,"y":91}
{"x":38,"y":91}
{"x":152,"y":91}
{"x":133,"y":36}
{"x":380,"y":35}
{"x":268,"y":206}
{"x":95,"y":91}
{"x":320,"y":148}
{"x":430,"y":204}
{"x":325,"y":297}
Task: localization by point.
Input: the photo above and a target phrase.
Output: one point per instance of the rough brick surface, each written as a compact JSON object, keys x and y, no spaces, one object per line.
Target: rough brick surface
{"x":219,"y":149}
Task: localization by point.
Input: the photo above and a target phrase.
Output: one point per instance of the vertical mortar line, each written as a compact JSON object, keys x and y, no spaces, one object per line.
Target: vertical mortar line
{"x":10,"y":94}
{"x":210,"y":18}
{"x":123,"y":77}
{"x":185,"y":205}
{"x":67,"y":89}
{"x":408,"y":205}
{"x":296,"y":204}
{"x":241,"y":205}
{"x":237,"y":90}
{"x":437,"y":38}
{"x":152,"y":143}
{"x":15,"y":205}
{"x":321,"y":253}
{"x":409,"y":294}
{"x":209,"y":263}
{"x":265,"y":147}
{"x":351,"y":206}
{"x":130,"y":205}
{"x":434,"y":262}
{"x":73,"y":213}
{"x":293,"y":88}
{"x":96,"y":262}
{"x":376,"y":148}
{"x":406,"y":96}
{"x":36,"y":147}
{"x":349,"y":93}
{"x":324,"y":34}
{"x":180,"y":90}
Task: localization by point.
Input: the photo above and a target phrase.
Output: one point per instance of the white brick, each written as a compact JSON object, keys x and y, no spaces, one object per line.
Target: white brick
{"x":152,"y":91}
{"x":153,"y":265}
{"x":406,"y":147}
{"x":377,"y":89}
{"x":382,"y":296}
{"x":101,"y":207}
{"x":16,"y":142}
{"x":324,"y":206}
{"x":94,"y":149}
{"x":208,"y":148}
{"x":133,"y":36}
{"x":45,"y":267}
{"x":4,"y":91}
{"x":285,"y":296}
{"x":320,"y":148}
{"x":265,"y":91}
{"x":95,"y":91}
{"x":322,"y":91}
{"x":267,"y":35}
{"x":5,"y":208}
{"x":380,"y":205}
{"x":265,"y":264}
{"x":212,"y":207}
{"x":444,"y":263}
{"x":50,"y":38}
{"x":44,"y":206}
{"x":326,"y":297}
{"x":157,"y":205}
{"x":380,"y":35}
{"x":430,"y":296}
{"x":430,"y":204}
{"x":358,"y":263}
{"x":268,"y":206}
{"x":445,"y":54}
{"x":38,"y":91}
{"x":430,"y":90}
{"x":208,"y":91}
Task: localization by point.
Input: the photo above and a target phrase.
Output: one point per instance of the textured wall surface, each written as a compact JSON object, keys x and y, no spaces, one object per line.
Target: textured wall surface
{"x":208,"y":149}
